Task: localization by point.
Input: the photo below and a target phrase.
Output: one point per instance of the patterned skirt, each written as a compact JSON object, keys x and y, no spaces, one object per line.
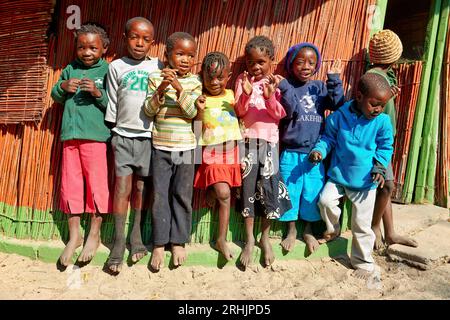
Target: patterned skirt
{"x":263,"y":190}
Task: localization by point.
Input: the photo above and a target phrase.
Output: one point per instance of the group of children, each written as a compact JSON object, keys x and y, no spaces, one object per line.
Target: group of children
{"x":152,"y":109}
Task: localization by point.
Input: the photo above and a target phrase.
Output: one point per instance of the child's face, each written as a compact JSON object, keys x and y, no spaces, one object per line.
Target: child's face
{"x":139,"y":40}
{"x":216,"y":84}
{"x":304,"y":65}
{"x":90,"y":48}
{"x":372,"y":104}
{"x":258,"y":63}
{"x":182,"y":56}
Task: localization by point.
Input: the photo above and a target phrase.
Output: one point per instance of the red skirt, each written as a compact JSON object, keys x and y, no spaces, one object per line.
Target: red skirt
{"x":219,"y":165}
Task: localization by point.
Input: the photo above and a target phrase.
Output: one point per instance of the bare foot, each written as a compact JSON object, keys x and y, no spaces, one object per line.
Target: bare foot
{"x":267,"y":251}
{"x":114,"y":267}
{"x":311,"y":242}
{"x":379,"y":243}
{"x":69,"y":250}
{"x":289,"y":242}
{"x":397,"y":239}
{"x":157,"y":260}
{"x":330,"y":236}
{"x":178,"y":254}
{"x":138,"y":256}
{"x":115,"y":258}
{"x":247,"y":253}
{"x":138,"y":252}
{"x":222,"y":247}
{"x":362,"y":274}
{"x":90,"y":248}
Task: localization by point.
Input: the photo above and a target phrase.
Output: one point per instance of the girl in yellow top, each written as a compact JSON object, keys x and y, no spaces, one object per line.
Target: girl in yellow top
{"x":220,"y":170}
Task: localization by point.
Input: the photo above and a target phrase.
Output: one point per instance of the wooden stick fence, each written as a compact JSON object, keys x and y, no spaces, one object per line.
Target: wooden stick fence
{"x":408,"y":75}
{"x":23,"y":51}
{"x":31,"y":159}
{"x":443,"y":172}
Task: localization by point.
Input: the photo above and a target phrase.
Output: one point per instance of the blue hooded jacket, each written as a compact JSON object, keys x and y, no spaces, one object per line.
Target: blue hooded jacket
{"x":356,"y":145}
{"x":305,"y":104}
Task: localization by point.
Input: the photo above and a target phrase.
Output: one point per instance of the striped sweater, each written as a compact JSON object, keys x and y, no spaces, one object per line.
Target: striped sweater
{"x":172,"y":124}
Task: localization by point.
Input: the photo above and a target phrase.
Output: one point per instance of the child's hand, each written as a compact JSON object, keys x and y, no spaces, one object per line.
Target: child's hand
{"x":278,"y":79}
{"x":315,"y":157}
{"x":177,"y":85}
{"x":336,"y":67}
{"x":200,"y":103}
{"x":247,"y":84}
{"x":270,"y":87}
{"x":395,"y":91}
{"x":71,"y":85}
{"x":378,"y":179}
{"x":168,"y":75}
{"x":88,"y":85}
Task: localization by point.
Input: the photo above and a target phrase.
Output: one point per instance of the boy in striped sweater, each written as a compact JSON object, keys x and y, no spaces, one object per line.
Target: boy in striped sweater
{"x":171,"y":98}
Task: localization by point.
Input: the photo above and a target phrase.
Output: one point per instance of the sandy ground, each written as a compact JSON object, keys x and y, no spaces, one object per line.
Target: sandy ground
{"x":23,"y":278}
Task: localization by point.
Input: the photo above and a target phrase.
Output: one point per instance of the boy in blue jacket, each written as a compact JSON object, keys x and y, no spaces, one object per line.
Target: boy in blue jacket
{"x":305,"y":101}
{"x":359,"y":137}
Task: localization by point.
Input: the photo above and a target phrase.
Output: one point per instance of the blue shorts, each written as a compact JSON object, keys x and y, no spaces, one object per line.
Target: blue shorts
{"x":304,"y":181}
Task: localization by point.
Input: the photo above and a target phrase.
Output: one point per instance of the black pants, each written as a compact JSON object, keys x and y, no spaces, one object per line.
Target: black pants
{"x":173,"y":175}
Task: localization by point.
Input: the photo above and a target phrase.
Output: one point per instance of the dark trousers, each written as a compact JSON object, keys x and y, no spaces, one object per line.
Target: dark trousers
{"x":173,"y":175}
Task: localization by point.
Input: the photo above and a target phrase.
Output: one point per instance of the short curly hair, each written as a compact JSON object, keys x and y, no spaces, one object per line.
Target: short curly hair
{"x":174,"y":37}
{"x":94,"y":29}
{"x":370,"y":82}
{"x":261,"y":43}
{"x":129,"y":23}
